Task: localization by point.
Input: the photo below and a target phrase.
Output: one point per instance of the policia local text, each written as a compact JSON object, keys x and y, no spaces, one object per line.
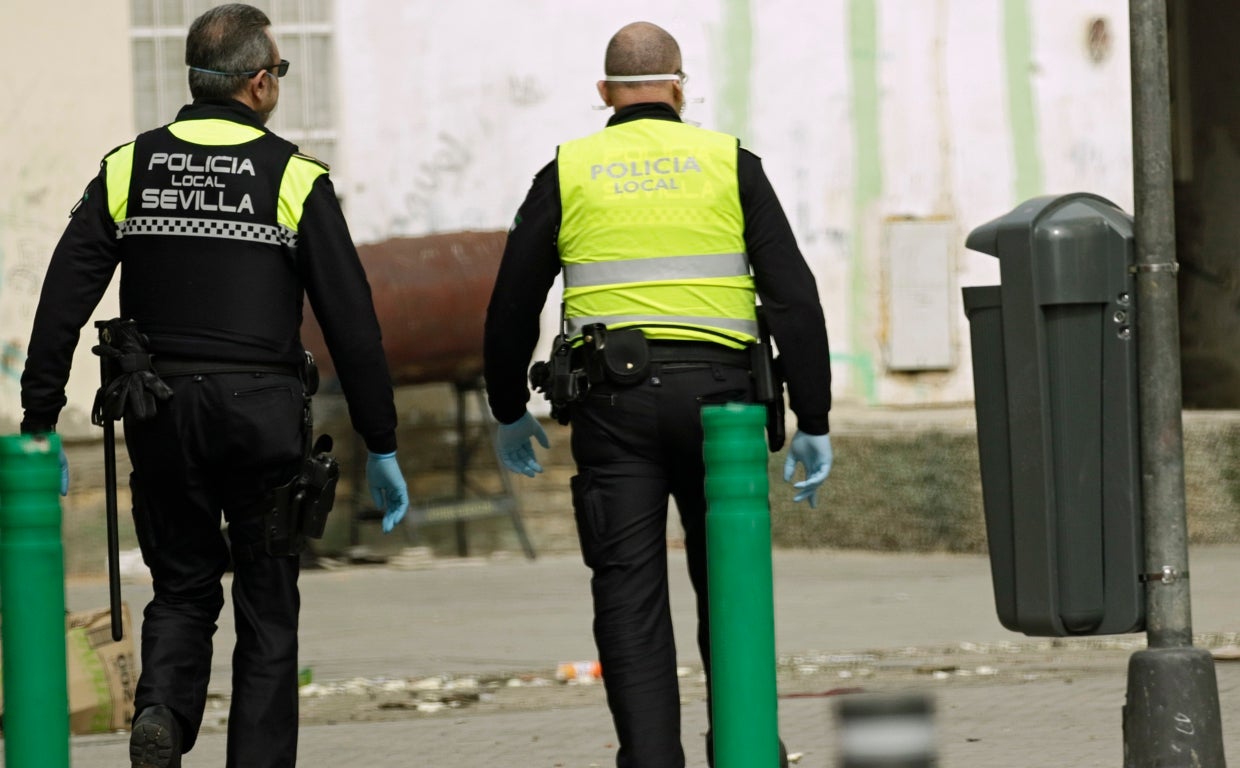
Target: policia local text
{"x":632,"y":171}
{"x":198,"y":175}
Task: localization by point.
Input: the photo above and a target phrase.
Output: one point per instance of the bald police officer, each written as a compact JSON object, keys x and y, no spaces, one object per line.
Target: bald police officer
{"x":671,"y":230}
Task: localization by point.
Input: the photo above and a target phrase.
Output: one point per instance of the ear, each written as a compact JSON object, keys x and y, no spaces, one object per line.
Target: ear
{"x":251,"y":91}
{"x":603,"y":92}
{"x":260,"y":84}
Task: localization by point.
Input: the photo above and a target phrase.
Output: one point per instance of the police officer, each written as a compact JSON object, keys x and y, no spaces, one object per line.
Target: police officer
{"x":220,"y":227}
{"x":671,"y":229}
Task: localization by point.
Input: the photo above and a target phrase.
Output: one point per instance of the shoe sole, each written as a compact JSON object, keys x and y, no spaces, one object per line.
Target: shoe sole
{"x":150,"y":746}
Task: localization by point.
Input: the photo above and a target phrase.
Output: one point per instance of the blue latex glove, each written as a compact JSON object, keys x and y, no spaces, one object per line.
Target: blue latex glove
{"x":64,"y":473}
{"x":514,"y":446}
{"x":814,"y":451}
{"x":387,"y":487}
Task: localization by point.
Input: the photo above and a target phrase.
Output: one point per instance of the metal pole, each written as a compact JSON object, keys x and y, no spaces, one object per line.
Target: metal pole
{"x":739,"y":574}
{"x":1172,"y":708}
{"x":32,"y":591}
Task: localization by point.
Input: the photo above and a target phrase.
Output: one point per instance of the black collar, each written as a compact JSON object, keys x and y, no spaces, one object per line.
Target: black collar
{"x":224,"y":109}
{"x":647,"y":110}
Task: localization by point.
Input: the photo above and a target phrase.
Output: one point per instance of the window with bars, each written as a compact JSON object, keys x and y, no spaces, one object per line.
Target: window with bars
{"x":303,"y":31}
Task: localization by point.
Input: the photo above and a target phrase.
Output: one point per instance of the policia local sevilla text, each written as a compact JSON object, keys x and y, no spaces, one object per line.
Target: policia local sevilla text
{"x":192,"y":191}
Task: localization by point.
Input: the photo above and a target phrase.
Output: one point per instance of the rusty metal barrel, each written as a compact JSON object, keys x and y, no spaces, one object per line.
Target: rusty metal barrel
{"x":430,"y":294}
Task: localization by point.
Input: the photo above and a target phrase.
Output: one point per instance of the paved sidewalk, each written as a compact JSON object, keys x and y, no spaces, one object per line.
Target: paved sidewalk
{"x":844,"y":620}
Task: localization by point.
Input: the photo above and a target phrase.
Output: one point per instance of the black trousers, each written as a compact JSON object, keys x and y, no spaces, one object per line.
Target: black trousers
{"x":215,"y":447}
{"x":634,"y":447}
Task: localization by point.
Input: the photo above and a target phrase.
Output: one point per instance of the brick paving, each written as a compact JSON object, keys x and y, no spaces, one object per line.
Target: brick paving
{"x":845,"y":620}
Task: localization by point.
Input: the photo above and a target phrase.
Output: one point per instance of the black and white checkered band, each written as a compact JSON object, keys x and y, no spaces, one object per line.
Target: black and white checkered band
{"x":274,"y":234}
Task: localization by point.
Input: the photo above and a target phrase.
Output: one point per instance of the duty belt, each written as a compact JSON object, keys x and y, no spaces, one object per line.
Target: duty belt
{"x":166,"y":367}
{"x":697,"y":352}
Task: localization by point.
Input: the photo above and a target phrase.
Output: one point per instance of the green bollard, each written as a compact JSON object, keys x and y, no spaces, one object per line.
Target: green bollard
{"x":32,"y":603}
{"x":742,"y":603}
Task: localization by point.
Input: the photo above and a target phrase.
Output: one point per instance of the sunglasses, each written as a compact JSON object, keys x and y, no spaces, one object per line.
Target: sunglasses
{"x":279,"y":70}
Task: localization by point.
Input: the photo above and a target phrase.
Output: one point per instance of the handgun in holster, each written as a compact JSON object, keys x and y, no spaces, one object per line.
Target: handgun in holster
{"x":298,"y":510}
{"x":768,"y":383}
{"x":558,"y":379}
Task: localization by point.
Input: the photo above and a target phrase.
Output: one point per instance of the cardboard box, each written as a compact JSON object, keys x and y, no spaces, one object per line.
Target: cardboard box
{"x":102,"y":673}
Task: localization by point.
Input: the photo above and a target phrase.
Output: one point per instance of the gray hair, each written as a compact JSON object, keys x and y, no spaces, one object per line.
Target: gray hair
{"x":226,"y":39}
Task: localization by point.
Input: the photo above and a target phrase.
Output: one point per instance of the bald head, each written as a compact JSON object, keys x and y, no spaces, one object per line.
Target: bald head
{"x":641,"y":48}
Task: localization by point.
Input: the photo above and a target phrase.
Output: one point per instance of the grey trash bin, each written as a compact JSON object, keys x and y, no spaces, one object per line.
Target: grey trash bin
{"x":1055,"y":387}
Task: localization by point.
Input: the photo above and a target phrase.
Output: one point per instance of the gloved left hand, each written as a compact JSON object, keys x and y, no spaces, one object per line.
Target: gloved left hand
{"x":387,"y":487}
{"x":814,"y":451}
{"x":64,"y":473}
{"x":133,"y":390}
{"x":514,"y":446}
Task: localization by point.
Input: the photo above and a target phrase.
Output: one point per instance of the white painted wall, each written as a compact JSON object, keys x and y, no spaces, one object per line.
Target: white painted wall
{"x":475,"y":96}
{"x":446,"y":111}
{"x":65,"y":100}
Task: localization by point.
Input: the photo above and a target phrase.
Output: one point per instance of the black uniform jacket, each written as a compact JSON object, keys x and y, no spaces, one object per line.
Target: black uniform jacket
{"x":326,"y":265}
{"x":784,"y":284}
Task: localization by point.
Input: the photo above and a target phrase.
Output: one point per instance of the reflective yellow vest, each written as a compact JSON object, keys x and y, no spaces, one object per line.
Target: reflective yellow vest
{"x":652,"y":233}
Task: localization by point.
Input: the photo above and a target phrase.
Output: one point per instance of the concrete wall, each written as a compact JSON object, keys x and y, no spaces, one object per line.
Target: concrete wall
{"x":867,"y":113}
{"x":66,"y":99}
{"x":903,"y":480}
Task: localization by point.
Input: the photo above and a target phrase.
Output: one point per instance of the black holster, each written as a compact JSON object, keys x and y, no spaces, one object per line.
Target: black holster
{"x":560,"y":380}
{"x":768,"y":382}
{"x":298,"y":510}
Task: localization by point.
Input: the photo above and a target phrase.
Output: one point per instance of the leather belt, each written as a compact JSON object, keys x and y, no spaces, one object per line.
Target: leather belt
{"x":697,"y":352}
{"x":166,"y":367}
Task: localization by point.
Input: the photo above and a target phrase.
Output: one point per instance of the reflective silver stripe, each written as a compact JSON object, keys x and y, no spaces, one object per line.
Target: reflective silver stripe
{"x":274,"y":234}
{"x":577,"y":324}
{"x":658,"y":268}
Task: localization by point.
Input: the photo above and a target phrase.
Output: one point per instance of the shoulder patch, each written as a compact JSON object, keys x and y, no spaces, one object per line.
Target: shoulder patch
{"x":312,"y":159}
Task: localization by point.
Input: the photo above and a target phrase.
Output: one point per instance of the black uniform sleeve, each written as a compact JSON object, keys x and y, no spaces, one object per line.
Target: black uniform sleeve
{"x":80,"y":270}
{"x":530,"y":263}
{"x":340,"y":296}
{"x":789,"y":296}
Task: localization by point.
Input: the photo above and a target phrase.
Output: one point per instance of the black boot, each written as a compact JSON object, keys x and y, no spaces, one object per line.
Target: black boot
{"x":156,"y":739}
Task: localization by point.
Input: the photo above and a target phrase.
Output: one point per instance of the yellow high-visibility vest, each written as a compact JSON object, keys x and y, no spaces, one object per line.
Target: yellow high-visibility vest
{"x":652,"y":233}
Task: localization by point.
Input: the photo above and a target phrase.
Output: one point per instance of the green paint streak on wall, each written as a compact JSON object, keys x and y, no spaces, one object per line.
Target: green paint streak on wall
{"x":734,"y":48}
{"x":867,"y":178}
{"x":863,"y":368}
{"x":1018,"y":52}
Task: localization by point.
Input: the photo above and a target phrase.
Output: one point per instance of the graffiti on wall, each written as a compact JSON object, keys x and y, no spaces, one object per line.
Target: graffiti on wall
{"x":452,"y":159}
{"x":12,"y":359}
{"x":449,"y":160}
{"x":21,"y":279}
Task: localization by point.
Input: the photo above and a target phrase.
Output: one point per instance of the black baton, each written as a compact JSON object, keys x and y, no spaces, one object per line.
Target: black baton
{"x":109,"y":491}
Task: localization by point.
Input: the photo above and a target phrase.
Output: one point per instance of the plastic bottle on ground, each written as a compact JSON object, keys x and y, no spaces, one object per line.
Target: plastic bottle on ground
{"x":579,"y":670}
